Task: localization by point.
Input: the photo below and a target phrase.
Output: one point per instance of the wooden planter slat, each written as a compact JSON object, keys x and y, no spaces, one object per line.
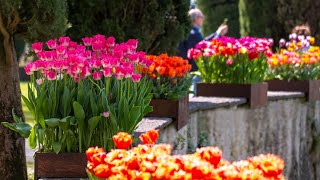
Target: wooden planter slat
{"x":257,"y":94}
{"x":63,"y":165}
{"x":310,"y":87}
{"x":176,"y":109}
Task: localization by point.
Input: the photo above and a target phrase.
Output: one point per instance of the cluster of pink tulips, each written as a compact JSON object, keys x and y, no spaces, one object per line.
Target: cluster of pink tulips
{"x":98,"y":56}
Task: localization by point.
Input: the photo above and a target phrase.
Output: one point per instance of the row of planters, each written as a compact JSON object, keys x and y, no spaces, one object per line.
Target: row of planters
{"x":81,"y":95}
{"x":247,"y":68}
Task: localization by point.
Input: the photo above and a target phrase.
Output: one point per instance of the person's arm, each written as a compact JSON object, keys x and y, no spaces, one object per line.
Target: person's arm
{"x":222,"y":30}
{"x":211,"y":36}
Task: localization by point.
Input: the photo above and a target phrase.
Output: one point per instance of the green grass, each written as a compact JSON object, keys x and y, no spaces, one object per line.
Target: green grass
{"x":27,"y":114}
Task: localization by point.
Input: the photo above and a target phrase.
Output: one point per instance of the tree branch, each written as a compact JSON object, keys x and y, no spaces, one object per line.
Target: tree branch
{"x":15,"y":22}
{"x":6,"y":40}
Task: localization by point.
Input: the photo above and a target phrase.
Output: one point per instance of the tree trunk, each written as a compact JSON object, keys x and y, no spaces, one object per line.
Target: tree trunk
{"x":12,"y":149}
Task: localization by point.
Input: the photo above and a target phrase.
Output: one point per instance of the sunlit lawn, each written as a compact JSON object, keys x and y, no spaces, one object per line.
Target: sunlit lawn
{"x":24,"y":91}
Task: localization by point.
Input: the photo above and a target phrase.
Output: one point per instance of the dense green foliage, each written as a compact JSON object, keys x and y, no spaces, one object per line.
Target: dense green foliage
{"x":159,"y":25}
{"x":36,"y":20}
{"x":216,"y":11}
{"x":256,"y":17}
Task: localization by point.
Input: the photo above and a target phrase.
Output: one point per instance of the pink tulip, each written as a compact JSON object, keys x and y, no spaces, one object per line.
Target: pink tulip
{"x":118,"y":53}
{"x":97,"y":46}
{"x":87,"y":41}
{"x":133,"y":57}
{"x":74,"y":69}
{"x":31,"y":67}
{"x":97,"y":75}
{"x":61,"y":50}
{"x":28,"y":71}
{"x":268,"y":53}
{"x":229,"y":62}
{"x":37,"y":47}
{"x":282,"y":42}
{"x":107,"y":72}
{"x":110,"y":41}
{"x":52,"y":44}
{"x":99,"y":38}
{"x":107,"y":62}
{"x":128,"y":70}
{"x":80,"y":49}
{"x":51,"y":75}
{"x":87,"y":54}
{"x":85,"y":72}
{"x":96,"y":63}
{"x":119,"y":73}
{"x":146,"y":62}
{"x":39,"y":81}
{"x":105,"y":114}
{"x":293,"y":36}
{"x":133,"y":43}
{"x":49,"y":55}
{"x":64,"y":40}
{"x":202,"y":45}
{"x":72,"y":45}
{"x":136,"y":77}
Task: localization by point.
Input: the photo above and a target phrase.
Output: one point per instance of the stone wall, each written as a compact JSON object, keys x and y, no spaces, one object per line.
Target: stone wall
{"x":287,"y":126}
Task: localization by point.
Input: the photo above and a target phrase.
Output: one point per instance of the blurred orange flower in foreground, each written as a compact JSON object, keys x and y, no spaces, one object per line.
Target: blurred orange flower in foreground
{"x":146,"y":162}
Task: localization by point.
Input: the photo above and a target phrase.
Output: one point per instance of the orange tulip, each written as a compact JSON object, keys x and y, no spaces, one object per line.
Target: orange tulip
{"x":149,"y":137}
{"x":161,"y":70}
{"x":122,"y":140}
{"x":172,"y":73}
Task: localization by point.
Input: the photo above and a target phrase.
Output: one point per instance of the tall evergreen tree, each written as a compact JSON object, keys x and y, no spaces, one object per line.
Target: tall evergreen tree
{"x":159,"y":25}
{"x":32,"y":20}
{"x":257,"y":17}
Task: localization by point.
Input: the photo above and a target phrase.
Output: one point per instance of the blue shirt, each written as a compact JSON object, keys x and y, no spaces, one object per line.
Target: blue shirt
{"x":193,"y":39}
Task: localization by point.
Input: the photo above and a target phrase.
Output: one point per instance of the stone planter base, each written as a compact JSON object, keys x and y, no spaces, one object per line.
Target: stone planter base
{"x":255,"y":93}
{"x":176,"y":109}
{"x":63,"y":165}
{"x":310,"y":87}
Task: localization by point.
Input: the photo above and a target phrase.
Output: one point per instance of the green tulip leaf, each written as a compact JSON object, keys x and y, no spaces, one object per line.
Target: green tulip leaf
{"x":93,"y":122}
{"x":52,"y":122}
{"x":32,"y":139}
{"x":73,"y":121}
{"x":65,"y":122}
{"x":22,"y":128}
{"x":56,"y":147}
{"x":16,"y":118}
{"x":78,"y":111}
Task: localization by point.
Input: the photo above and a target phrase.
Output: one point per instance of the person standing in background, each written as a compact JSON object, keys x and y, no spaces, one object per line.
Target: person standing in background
{"x":195,"y":37}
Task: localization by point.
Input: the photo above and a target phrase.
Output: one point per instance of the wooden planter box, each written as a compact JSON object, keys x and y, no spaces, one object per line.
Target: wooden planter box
{"x":176,"y":109}
{"x":63,"y":165}
{"x":257,"y":94}
{"x":310,"y":87}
